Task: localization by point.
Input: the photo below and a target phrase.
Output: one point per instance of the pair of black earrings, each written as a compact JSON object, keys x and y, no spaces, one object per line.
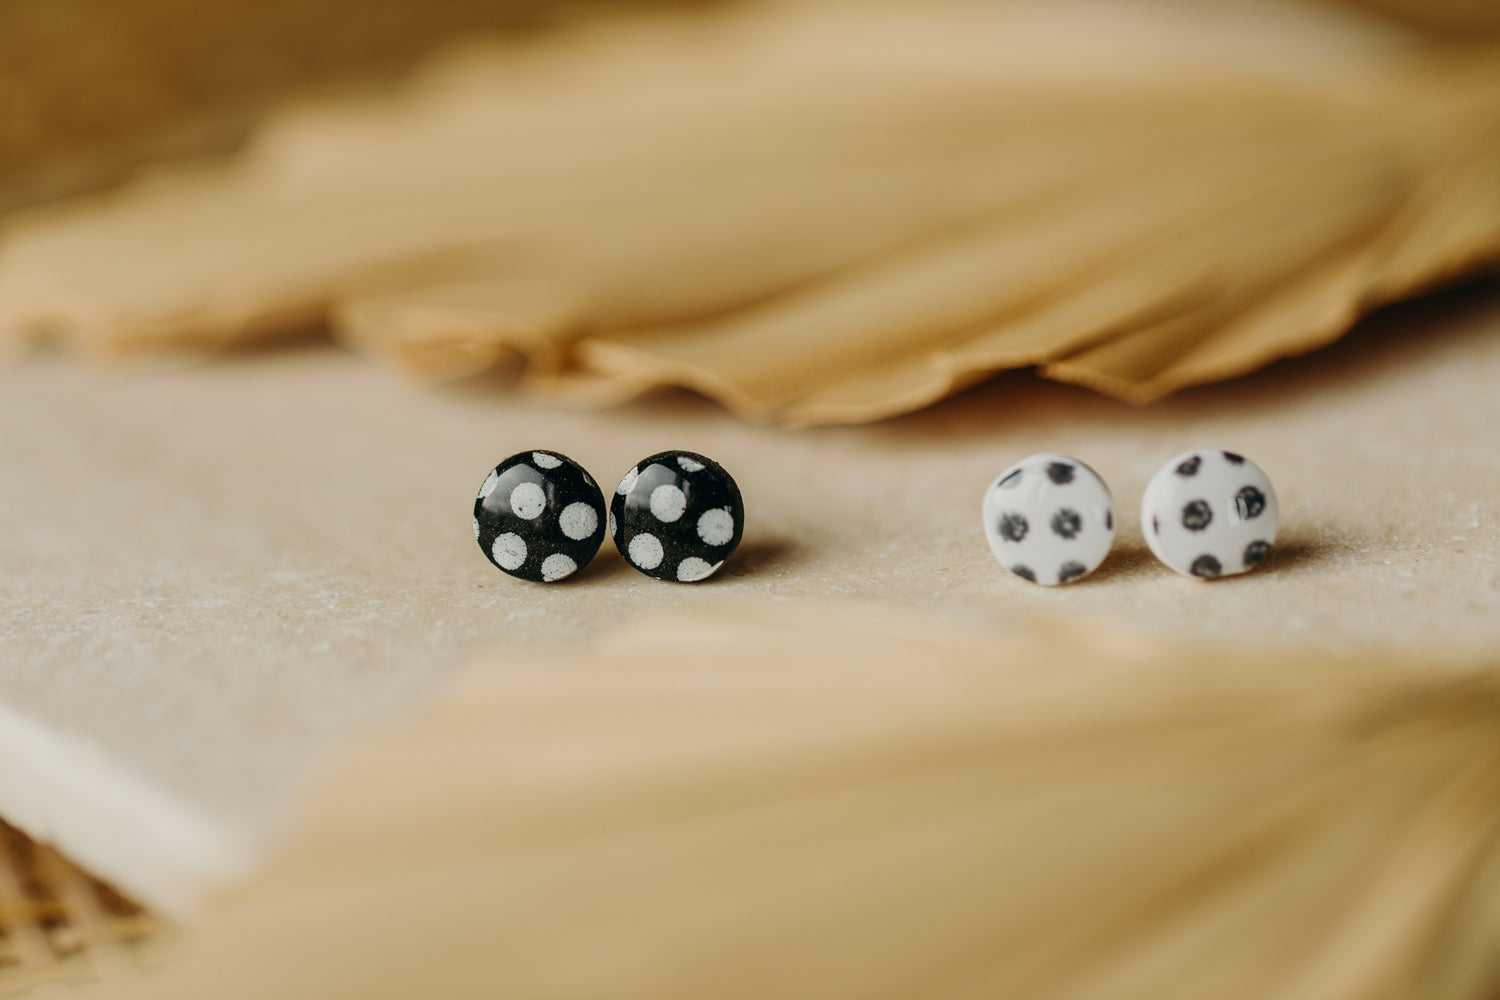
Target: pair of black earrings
{"x":674,"y":516}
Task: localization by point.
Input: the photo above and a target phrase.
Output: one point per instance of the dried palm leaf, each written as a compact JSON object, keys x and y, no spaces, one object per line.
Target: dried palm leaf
{"x":822,"y":213}
{"x":850,"y":804}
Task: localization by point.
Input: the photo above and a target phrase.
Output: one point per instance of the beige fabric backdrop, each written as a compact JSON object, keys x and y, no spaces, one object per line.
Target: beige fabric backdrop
{"x":208,"y":573}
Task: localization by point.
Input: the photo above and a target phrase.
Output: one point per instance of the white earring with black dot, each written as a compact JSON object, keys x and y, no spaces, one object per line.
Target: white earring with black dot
{"x":1209,"y":514}
{"x":677,"y":516}
{"x":1049,"y":519}
{"x":539,"y":516}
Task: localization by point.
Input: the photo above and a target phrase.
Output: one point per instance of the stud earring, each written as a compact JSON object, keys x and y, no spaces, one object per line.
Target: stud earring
{"x":1049,"y":519}
{"x":539,"y":516}
{"x":1209,"y":514}
{"x":677,"y":516}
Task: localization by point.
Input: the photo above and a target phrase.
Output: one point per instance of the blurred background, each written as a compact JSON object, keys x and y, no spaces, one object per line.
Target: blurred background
{"x":90,"y":90}
{"x":814,"y":213}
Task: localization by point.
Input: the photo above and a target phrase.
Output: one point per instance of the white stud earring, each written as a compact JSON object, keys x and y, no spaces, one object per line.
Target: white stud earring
{"x":1209,"y":514}
{"x":1049,"y":519}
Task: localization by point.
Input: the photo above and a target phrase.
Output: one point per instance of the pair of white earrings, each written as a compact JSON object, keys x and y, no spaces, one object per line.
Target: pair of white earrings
{"x":1050,"y":519}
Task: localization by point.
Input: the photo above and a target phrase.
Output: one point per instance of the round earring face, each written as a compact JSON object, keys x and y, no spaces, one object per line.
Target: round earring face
{"x":677,"y":516}
{"x":1209,"y":514}
{"x":539,"y":516}
{"x":1049,"y":519}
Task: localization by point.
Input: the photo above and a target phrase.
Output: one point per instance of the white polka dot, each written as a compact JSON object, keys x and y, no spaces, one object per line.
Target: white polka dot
{"x":509,"y":550}
{"x":579,"y":520}
{"x":614,"y":532}
{"x":668,"y":502}
{"x":557,"y":566}
{"x":476,"y":528}
{"x":692,"y":569}
{"x":545,"y":461}
{"x":689,"y":465}
{"x":528,"y":500}
{"x":490,"y":482}
{"x":716,"y":527}
{"x":645,"y":551}
{"x":628,"y":483}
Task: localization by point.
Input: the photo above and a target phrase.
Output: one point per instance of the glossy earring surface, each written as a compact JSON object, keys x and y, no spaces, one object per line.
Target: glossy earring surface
{"x":1210,"y":513}
{"x":1049,"y":519}
{"x":539,"y":516}
{"x":677,"y":516}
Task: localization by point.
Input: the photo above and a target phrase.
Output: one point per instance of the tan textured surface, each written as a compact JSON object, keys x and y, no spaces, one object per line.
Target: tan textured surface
{"x":207,"y":573}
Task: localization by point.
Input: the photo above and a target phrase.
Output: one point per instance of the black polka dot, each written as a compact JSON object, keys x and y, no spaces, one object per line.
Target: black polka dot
{"x":1067,"y":523}
{"x":1251,"y":502}
{"x":1234,"y":459}
{"x":1190,"y":467}
{"x":1109,"y":520}
{"x":1010,"y":482}
{"x":1070,"y":571}
{"x":1013,"y":527}
{"x":1207,"y":567}
{"x":1196,"y":515}
{"x":1255,"y":552}
{"x":1060,"y":473}
{"x":1024,"y":572}
{"x":1155,"y":525}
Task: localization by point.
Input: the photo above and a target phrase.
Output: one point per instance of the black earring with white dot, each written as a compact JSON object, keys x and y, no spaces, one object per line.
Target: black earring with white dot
{"x":1049,"y":519}
{"x":539,"y":516}
{"x":1209,"y":513}
{"x":677,"y":516}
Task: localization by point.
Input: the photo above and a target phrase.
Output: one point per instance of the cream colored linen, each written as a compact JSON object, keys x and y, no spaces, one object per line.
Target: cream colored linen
{"x":209,"y":573}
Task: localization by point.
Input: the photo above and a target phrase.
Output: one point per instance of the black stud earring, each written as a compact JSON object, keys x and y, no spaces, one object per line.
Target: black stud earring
{"x":677,"y":516}
{"x":539,"y":516}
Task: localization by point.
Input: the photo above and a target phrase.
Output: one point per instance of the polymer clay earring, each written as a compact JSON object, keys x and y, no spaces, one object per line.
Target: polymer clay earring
{"x":1209,"y":514}
{"x":539,"y":516}
{"x":677,"y":516}
{"x":1049,"y":519}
